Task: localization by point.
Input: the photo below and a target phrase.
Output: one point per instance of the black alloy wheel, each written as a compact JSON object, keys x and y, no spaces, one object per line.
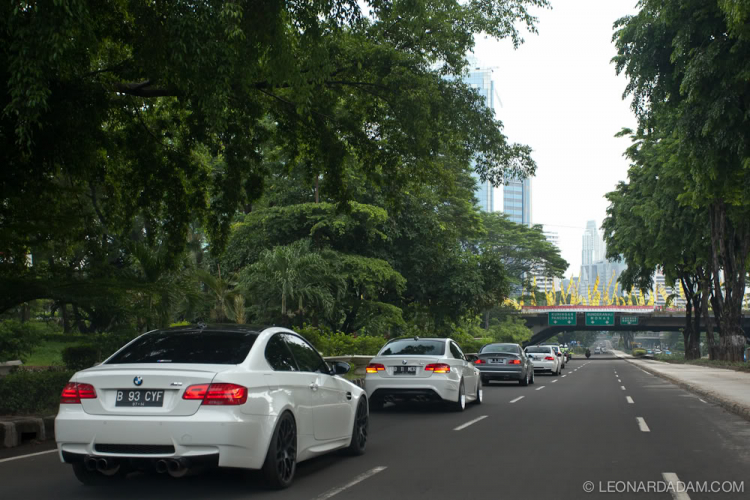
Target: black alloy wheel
{"x":361,"y":425}
{"x":281,"y":459}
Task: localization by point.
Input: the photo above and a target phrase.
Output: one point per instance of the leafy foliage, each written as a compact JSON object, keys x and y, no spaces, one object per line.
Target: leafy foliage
{"x":26,"y":392}
{"x":80,"y":357}
{"x":18,"y":340}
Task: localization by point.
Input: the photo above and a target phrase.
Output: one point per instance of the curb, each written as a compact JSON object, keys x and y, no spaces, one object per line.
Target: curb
{"x":729,"y":405}
{"x":15,"y":431}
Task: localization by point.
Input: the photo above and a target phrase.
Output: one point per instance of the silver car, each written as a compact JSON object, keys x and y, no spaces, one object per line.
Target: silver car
{"x":415,"y":369}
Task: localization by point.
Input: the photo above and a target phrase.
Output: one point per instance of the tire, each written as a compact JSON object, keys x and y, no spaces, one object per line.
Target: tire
{"x":532,"y":377}
{"x":479,"y":395}
{"x":525,"y":381}
{"x":460,"y":404}
{"x":557,"y":372}
{"x":359,"y":431}
{"x":93,"y":477}
{"x":281,"y":459}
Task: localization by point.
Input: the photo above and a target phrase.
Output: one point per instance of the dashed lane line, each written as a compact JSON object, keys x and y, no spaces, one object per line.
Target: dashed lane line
{"x":630,"y":400}
{"x":540,"y":388}
{"x":517,"y":399}
{"x":642,"y":424}
{"x":335,"y":491}
{"x":470,"y":422}
{"x":674,"y":490}
{"x":622,"y":387}
{"x":554,"y":381}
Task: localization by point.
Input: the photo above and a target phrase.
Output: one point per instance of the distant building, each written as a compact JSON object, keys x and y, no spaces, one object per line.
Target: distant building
{"x":517,"y":201}
{"x":595,"y":264}
{"x":544,"y":282}
{"x":481,"y":81}
{"x":661,"y":285}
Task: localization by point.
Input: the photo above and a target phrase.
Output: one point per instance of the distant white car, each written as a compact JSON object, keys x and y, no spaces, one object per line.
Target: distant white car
{"x":558,"y":350}
{"x":415,"y":369}
{"x":598,"y":350}
{"x":227,"y":396}
{"x":545,"y":359}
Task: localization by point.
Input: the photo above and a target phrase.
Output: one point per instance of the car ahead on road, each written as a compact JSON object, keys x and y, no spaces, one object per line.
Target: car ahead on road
{"x":422,"y":370}
{"x":190,"y":397}
{"x":544,"y":358}
{"x":501,"y":361}
{"x":558,"y":353}
{"x":598,"y":350}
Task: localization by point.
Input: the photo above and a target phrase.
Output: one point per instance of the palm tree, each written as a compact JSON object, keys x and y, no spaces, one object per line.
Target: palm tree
{"x":289,"y":274}
{"x":223,"y":294}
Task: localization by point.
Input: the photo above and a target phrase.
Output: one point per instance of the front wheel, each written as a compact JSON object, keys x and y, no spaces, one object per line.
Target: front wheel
{"x":359,"y":433}
{"x":281,"y":459}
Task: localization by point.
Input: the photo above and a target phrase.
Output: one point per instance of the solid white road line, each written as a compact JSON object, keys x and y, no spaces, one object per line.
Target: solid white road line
{"x":622,"y":387}
{"x":27,"y":456}
{"x":518,"y":399}
{"x":699,"y":399}
{"x":464,"y":426}
{"x":642,"y":424}
{"x":672,"y":479}
{"x":630,"y":400}
{"x":358,"y":479}
{"x":554,"y":381}
{"x":540,"y":388}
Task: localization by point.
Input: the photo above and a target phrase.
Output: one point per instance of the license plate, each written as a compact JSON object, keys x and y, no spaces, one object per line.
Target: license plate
{"x":405,"y":370}
{"x":139,"y":397}
{"x":497,"y":360}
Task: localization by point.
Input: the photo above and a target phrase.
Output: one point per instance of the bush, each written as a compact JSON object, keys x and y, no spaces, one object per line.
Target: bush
{"x":341,"y":344}
{"x":18,"y":340}
{"x":79,"y":357}
{"x":26,"y":392}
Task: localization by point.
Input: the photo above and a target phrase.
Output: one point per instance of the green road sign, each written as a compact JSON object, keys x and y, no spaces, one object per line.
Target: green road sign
{"x":628,"y":320}
{"x":561,"y":318}
{"x":600,"y":319}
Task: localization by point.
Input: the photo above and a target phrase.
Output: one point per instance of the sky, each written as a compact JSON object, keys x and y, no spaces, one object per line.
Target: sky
{"x":561,"y":96}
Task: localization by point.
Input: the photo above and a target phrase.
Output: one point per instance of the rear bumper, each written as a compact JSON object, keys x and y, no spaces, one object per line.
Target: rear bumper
{"x":236,"y":439}
{"x":411,"y":390}
{"x":550,"y":366}
{"x":500,"y":374}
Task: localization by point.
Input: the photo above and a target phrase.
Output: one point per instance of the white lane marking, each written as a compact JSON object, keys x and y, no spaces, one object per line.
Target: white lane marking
{"x":699,"y":399}
{"x":358,"y":479}
{"x":622,"y":387}
{"x":464,"y":426}
{"x":630,"y":400}
{"x":619,"y":380}
{"x":27,"y":456}
{"x":673,"y":480}
{"x":554,"y":381}
{"x":642,"y":424}
{"x":518,"y":399}
{"x":540,"y":388}
{"x":564,"y":376}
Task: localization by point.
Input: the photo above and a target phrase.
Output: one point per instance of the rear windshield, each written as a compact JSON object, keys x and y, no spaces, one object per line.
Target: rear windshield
{"x":188,"y":346}
{"x":539,"y":349}
{"x":414,"y":347}
{"x":511,"y":348}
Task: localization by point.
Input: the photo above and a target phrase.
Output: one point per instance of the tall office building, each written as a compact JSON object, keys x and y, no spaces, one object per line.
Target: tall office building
{"x":481,"y":81}
{"x":517,"y":201}
{"x":544,"y":282}
{"x":594,"y":262}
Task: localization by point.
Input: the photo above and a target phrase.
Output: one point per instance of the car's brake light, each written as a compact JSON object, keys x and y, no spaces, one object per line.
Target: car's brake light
{"x":549,"y":358}
{"x":73,"y":393}
{"x":375,"y":368}
{"x":217,"y":394}
{"x":479,"y":361}
{"x":514,"y":362}
{"x":437,"y":368}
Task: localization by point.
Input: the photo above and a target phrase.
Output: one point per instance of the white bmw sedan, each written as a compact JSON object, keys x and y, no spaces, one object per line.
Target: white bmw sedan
{"x":414,"y":369}
{"x":185,"y":398}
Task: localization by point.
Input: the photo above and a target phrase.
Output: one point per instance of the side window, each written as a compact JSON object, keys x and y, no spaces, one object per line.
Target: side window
{"x":456,"y":351}
{"x":278,"y":355}
{"x":307,"y":358}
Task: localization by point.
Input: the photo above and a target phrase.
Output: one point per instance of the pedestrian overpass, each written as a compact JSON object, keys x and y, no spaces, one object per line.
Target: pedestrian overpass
{"x":548,"y":321}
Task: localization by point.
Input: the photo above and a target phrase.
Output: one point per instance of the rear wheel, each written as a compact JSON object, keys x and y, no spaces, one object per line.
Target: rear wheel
{"x":532,"y":377}
{"x":359,"y":433}
{"x":525,"y":380}
{"x":479,"y":394}
{"x":460,"y":404}
{"x":281,"y":459}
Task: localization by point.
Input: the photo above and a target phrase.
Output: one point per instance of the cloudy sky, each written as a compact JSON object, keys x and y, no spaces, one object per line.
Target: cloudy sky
{"x":561,"y":96}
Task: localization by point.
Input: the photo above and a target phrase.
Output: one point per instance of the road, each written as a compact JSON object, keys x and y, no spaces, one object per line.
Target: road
{"x":604,"y":421}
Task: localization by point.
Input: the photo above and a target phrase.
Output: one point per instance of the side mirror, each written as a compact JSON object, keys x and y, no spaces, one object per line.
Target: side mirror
{"x":559,"y":354}
{"x":340,"y":368}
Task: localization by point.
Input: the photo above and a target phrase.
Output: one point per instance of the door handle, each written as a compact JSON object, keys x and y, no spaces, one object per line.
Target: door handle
{"x":314,"y":386}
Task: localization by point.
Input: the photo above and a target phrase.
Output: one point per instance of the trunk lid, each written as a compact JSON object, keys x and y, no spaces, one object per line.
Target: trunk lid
{"x":147,"y":389}
{"x":406,"y":366}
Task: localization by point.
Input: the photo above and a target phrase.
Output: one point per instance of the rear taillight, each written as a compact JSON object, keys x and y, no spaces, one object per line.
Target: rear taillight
{"x":479,"y":361}
{"x":73,"y":393}
{"x":217,"y":394}
{"x":514,"y":362}
{"x":549,"y":358}
{"x":437,"y":368}
{"x":375,"y":368}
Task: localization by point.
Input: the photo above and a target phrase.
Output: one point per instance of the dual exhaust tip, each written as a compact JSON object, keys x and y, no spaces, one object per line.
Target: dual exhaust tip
{"x":176,"y":467}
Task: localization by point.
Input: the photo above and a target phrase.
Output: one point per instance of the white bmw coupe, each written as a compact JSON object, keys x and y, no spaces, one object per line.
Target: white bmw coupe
{"x":185,"y":398}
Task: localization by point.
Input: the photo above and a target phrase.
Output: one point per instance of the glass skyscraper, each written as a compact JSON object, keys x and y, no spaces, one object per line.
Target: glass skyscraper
{"x":517,"y":201}
{"x":481,"y":80}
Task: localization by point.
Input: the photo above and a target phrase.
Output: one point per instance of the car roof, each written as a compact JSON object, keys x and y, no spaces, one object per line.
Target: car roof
{"x":215,"y":327}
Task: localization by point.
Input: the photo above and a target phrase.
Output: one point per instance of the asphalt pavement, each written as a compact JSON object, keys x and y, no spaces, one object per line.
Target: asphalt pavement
{"x":604,"y":425}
